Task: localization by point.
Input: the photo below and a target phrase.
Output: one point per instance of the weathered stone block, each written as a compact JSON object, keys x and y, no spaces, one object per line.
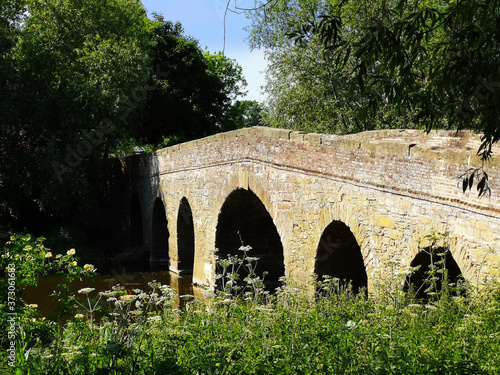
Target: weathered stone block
{"x":385,"y":222}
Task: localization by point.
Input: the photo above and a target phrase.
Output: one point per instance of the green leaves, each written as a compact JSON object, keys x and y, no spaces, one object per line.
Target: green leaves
{"x":229,"y":72}
{"x":325,"y":73}
{"x":424,"y":64}
{"x":480,"y":176}
{"x":196,"y":88}
{"x":79,"y":79}
{"x":75,"y":63}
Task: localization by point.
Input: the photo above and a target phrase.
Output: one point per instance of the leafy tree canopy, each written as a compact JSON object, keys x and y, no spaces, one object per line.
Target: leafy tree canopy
{"x":434,"y":63}
{"x":440,"y":59}
{"x":193,"y":90}
{"x":308,"y":86}
{"x":79,"y":80}
{"x":242,"y":114}
{"x":355,"y":66}
{"x":74,"y":63}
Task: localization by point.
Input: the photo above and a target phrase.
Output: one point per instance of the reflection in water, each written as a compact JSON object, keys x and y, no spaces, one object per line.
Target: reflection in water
{"x":130,"y":279}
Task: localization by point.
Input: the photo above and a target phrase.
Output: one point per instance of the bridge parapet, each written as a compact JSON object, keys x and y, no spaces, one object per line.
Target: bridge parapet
{"x":440,"y":158}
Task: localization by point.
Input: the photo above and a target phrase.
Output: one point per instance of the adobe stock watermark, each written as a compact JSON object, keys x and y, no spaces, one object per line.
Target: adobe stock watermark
{"x":185,"y":212}
{"x":93,"y":138}
{"x":11,"y":315}
{"x":222,"y":7}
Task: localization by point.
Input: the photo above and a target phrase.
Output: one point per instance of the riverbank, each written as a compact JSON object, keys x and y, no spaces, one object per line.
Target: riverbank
{"x":252,"y":332}
{"x":241,"y":328}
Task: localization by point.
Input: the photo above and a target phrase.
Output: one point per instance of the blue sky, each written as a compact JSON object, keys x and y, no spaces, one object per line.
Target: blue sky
{"x":204,"y":21}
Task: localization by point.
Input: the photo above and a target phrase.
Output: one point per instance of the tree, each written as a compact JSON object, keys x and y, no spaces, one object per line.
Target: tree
{"x":434,"y":63}
{"x":308,"y":88}
{"x":79,"y":79}
{"x":193,"y":91}
{"x":77,"y":65}
{"x":237,"y":113}
{"x":229,"y":71}
{"x":10,"y":16}
{"x":242,"y":114}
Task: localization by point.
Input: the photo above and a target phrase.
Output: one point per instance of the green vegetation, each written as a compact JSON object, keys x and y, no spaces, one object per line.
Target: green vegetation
{"x":23,"y":261}
{"x":85,"y":81}
{"x":240,"y":328}
{"x":344,"y":66}
{"x":312,"y":81}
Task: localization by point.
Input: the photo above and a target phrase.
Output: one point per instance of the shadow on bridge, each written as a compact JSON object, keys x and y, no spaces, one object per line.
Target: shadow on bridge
{"x":339,"y":256}
{"x":244,"y":221}
{"x":160,"y":234}
{"x":136,"y":230}
{"x":185,"y":237}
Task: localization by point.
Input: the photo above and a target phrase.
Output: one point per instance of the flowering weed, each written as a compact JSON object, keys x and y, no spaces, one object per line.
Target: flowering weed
{"x":242,"y":328}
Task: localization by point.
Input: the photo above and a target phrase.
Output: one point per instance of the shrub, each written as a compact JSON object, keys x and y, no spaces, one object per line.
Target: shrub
{"x":24,"y":259}
{"x":240,"y":328}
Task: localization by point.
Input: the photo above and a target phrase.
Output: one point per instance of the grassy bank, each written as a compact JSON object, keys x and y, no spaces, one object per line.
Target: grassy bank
{"x":336,"y":334}
{"x":242,"y":329}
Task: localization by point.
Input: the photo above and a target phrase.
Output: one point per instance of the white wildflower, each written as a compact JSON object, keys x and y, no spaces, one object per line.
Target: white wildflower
{"x":89,"y":268}
{"x":154,"y":319}
{"x":350,"y":324}
{"x":86,"y":290}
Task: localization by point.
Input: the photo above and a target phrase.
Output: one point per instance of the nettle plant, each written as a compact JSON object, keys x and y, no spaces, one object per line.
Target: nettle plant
{"x":31,"y":259}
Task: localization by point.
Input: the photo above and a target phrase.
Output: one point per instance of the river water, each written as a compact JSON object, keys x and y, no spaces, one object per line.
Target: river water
{"x":129,"y":277}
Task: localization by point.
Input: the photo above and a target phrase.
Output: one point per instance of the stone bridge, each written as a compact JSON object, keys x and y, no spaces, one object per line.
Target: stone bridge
{"x":356,"y":207}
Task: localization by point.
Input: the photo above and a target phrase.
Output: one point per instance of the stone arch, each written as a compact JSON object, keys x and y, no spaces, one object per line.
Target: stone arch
{"x":339,"y":255}
{"x":456,"y":248}
{"x":244,"y":220}
{"x":185,"y":237}
{"x":242,"y":178}
{"x":442,"y":258}
{"x":135,"y":223}
{"x":160,"y":233}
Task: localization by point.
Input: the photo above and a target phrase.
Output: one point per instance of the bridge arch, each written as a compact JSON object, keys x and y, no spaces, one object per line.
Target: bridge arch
{"x":135,"y":224}
{"x":339,"y":228}
{"x":440,"y":257}
{"x":458,"y":251}
{"x":244,"y":178}
{"x":243,"y":220}
{"x":339,"y":255}
{"x":185,"y":237}
{"x":160,"y":233}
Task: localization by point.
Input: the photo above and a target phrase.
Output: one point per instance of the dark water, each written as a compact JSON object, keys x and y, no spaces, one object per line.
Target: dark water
{"x":127,"y":276}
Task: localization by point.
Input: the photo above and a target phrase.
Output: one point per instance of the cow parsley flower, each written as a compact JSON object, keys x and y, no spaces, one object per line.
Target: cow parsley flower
{"x":86,"y":290}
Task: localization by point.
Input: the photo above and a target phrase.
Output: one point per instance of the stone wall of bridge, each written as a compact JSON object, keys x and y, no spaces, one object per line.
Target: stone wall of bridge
{"x":356,"y":205}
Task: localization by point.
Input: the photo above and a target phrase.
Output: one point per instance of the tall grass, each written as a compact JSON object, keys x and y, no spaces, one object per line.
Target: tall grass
{"x":240,"y":328}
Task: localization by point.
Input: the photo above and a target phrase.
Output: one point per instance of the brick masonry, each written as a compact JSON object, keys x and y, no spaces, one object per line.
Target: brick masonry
{"x":390,"y":188}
